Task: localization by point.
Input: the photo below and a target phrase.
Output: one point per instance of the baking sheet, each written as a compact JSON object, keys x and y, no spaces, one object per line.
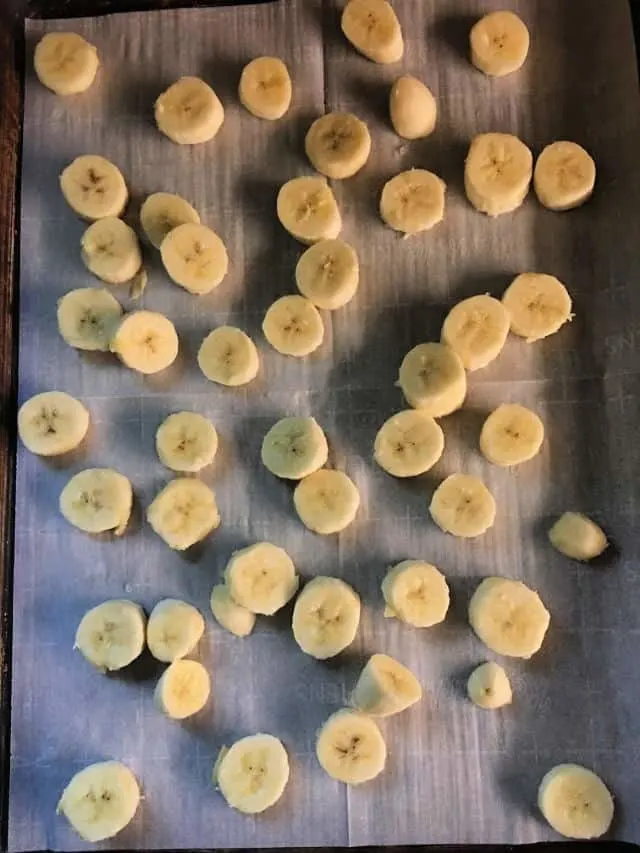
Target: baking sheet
{"x":455,"y":773}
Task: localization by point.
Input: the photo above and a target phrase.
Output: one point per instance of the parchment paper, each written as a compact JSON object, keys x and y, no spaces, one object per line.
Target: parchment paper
{"x":455,"y":773}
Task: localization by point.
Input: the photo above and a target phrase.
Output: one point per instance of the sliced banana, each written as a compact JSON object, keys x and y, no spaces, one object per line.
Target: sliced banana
{"x":232,"y":616}
{"x":94,"y":187}
{"x":174,"y":629}
{"x":97,"y":500}
{"x":261,"y":578}
{"x":412,"y":108}
{"x":183,"y":513}
{"x":564,"y":176}
{"x":100,"y":800}
{"x":508,"y":617}
{"x":408,"y":444}
{"x":512,"y":434}
{"x":110,"y":250}
{"x":183,"y":689}
{"x":497,"y":173}
{"x":326,"y":616}
{"x":65,"y":63}
{"x":499,"y":44}
{"x":162,"y":212}
{"x":577,"y":536}
{"x":326,"y":501}
{"x":489,"y":687}
{"x":253,"y":773}
{"x":476,"y":329}
{"x":228,"y":356}
{"x":111,"y":635}
{"x":88,"y":317}
{"x":294,"y":448}
{"x":373,"y":29}
{"x":575,"y":801}
{"x":350,"y":747}
{"x":293,"y":326}
{"x":145,"y":341}
{"x":194,"y":257}
{"x":538,"y":305}
{"x":186,"y":442}
{"x":338,"y":145}
{"x":385,"y":687}
{"x":265,"y":88}
{"x":189,"y":112}
{"x":52,"y":423}
{"x":328,"y":273}
{"x":308,"y":210}
{"x":433,"y":379}
{"x":413,"y":201}
{"x":416,"y":593}
{"x":463,"y":506}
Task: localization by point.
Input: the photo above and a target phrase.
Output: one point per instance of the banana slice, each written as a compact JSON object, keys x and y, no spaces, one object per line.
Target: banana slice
{"x":308,"y":210}
{"x":373,"y":29}
{"x":328,"y":273}
{"x":174,"y":629}
{"x":294,"y":448}
{"x":575,"y":801}
{"x":497,"y":173}
{"x":350,"y":747}
{"x":477,"y":329}
{"x":186,"y":442}
{"x":408,"y":444}
{"x":499,"y":44}
{"x":183,"y":689}
{"x":488,"y":686}
{"x":326,"y":616}
{"x":183,"y":513}
{"x":385,"y":687}
{"x":338,"y":145}
{"x":577,"y":536}
{"x":145,"y":341}
{"x":100,"y":800}
{"x":88,"y":317}
{"x":537,"y":304}
{"x":512,"y":434}
{"x":508,"y":617}
{"x":416,"y":593}
{"x":97,"y":500}
{"x":194,"y":257}
{"x":233,"y":617}
{"x":52,"y":423}
{"x":265,"y":88}
{"x":228,"y":356}
{"x":293,"y":326}
{"x":65,"y":63}
{"x":433,"y":379}
{"x":413,"y":201}
{"x":94,"y":187}
{"x":110,"y":250}
{"x":326,"y":501}
{"x":111,"y":635}
{"x":564,"y":176}
{"x":261,"y":578}
{"x":412,"y":108}
{"x":253,"y":773}
{"x":189,"y":112}
{"x":463,"y":506}
{"x":162,"y":212}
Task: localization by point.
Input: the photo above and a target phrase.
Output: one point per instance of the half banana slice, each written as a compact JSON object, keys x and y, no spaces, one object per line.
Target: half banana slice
{"x":564,"y":176}
{"x":294,"y":448}
{"x":511,"y":435}
{"x":350,"y":748}
{"x":145,"y":341}
{"x":408,"y":444}
{"x":497,"y":173}
{"x":338,"y":145}
{"x":194,"y":257}
{"x":373,"y":29}
{"x":413,"y":201}
{"x":265,"y":88}
{"x":97,"y":500}
{"x":253,"y":773}
{"x":52,"y":423}
{"x":476,"y":329}
{"x":326,"y":501}
{"x":189,"y":112}
{"x":463,"y":506}
{"x":433,"y":379}
{"x":412,"y":108}
{"x":228,"y":356}
{"x":232,"y":616}
{"x":575,"y":801}
{"x":65,"y":63}
{"x":577,"y":536}
{"x":94,"y":187}
{"x":183,"y":689}
{"x":499,"y":44}
{"x":416,"y":593}
{"x":186,"y":442}
{"x":293,"y":326}
{"x":328,"y":274}
{"x":385,"y":687}
{"x":111,"y":635}
{"x":308,"y":210}
{"x":488,"y":686}
{"x":110,"y":250}
{"x":162,"y":212}
{"x":538,"y":305}
{"x":326,"y":616}
{"x":184,"y":512}
{"x":88,"y":317}
{"x":261,"y":578}
{"x":174,"y":629}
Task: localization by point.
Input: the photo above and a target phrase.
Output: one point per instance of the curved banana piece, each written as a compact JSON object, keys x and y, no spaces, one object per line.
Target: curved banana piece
{"x":194,"y":257}
{"x":184,"y":512}
{"x":253,"y":773}
{"x":326,"y":616}
{"x":512,"y":434}
{"x":308,"y":210}
{"x":174,"y":629}
{"x":328,"y":273}
{"x":87,"y":318}
{"x":111,"y":635}
{"x":145,"y":341}
{"x":189,"y":112}
{"x":412,"y":108}
{"x":52,"y":423}
{"x":499,"y":44}
{"x":186,"y":442}
{"x":488,"y":687}
{"x":110,"y":250}
{"x":97,"y":500}
{"x":94,"y":187}
{"x":577,"y":536}
{"x":232,"y":616}
{"x":65,"y":63}
{"x":294,"y":448}
{"x":183,"y":689}
{"x":497,"y":173}
{"x":350,"y":747}
{"x":228,"y":356}
{"x":408,"y":444}
{"x":413,"y":201}
{"x":433,"y":379}
{"x":261,"y":578}
{"x":338,"y":145}
{"x":575,"y":801}
{"x":538,"y":305}
{"x":564,"y":176}
{"x":326,"y":501}
{"x":416,"y":593}
{"x":373,"y":29}
{"x":293,"y":326}
{"x":162,"y":212}
{"x":385,"y":687}
{"x":476,"y":329}
{"x":265,"y":88}
{"x":463,"y":506}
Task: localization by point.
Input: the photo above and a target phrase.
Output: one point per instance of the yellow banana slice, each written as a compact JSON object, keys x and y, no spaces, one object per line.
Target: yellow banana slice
{"x":326,"y":616}
{"x":476,"y":329}
{"x":433,"y":379}
{"x":308,"y":210}
{"x":228,"y":356}
{"x":328,"y":273}
{"x":111,"y":635}
{"x":183,"y":689}
{"x":261,"y":578}
{"x":412,"y":108}
{"x":265,"y":88}
{"x":575,"y":801}
{"x":497,"y":173}
{"x":326,"y":501}
{"x":373,"y":29}
{"x":186,"y":442}
{"x":87,"y":318}
{"x":564,"y":176}
{"x":538,"y":305}
{"x":416,"y":593}
{"x":174,"y":629}
{"x":488,"y":686}
{"x":413,"y":201}
{"x":194,"y":257}
{"x":294,"y":448}
{"x":162,"y":212}
{"x":293,"y":326}
{"x":52,"y":423}
{"x":110,"y":250}
{"x":463,"y":506}
{"x":94,"y":187}
{"x":408,"y":444}
{"x":189,"y":112}
{"x":577,"y":536}
{"x":253,"y":773}
{"x":65,"y":63}
{"x":145,"y":341}
{"x":97,"y":500}
{"x":512,"y":434}
{"x":338,"y":145}
{"x":385,"y":687}
{"x":350,"y":747}
{"x":183,"y":513}
{"x":232,"y":616}
{"x":499,"y":44}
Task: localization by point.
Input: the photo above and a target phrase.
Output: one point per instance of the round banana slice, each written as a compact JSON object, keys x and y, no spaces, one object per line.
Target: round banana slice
{"x":232,"y":616}
{"x":100,"y":800}
{"x":326,"y":616}
{"x":412,"y":108}
{"x":88,"y":317}
{"x":65,"y":63}
{"x":186,"y":442}
{"x":416,"y":593}
{"x":497,"y":173}
{"x":463,"y":506}
{"x":183,"y":689}
{"x":110,"y":250}
{"x":499,"y":44}
{"x":174,"y":629}
{"x":308,"y":210}
{"x":564,"y":176}
{"x":189,"y":112}
{"x":577,"y":536}
{"x":512,"y":434}
{"x":228,"y":356}
{"x":294,"y":448}
{"x":373,"y":29}
{"x":52,"y":423}
{"x":94,"y":187}
{"x":326,"y":501}
{"x":261,"y":578}
{"x":111,"y":635}
{"x":413,"y":201}
{"x":538,"y":305}
{"x":293,"y":326}
{"x":476,"y":329}
{"x":145,"y":341}
{"x":433,"y":379}
{"x":385,"y":687}
{"x":488,"y":686}
{"x":408,"y":444}
{"x":350,"y":747}
{"x":575,"y":801}
{"x":328,"y":273}
{"x":97,"y":500}
{"x":508,"y":617}
{"x":253,"y":773}
{"x":194,"y":257}
{"x":162,"y":212}
{"x":338,"y":145}
{"x":265,"y":88}
{"x":184,"y":512}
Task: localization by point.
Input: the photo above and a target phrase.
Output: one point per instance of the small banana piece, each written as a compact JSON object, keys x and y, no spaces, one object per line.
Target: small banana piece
{"x":145,"y":341}
{"x":97,"y":500}
{"x":174,"y":629}
{"x":408,"y":444}
{"x":564,"y":176}
{"x":433,"y":379}
{"x":412,"y":108}
{"x":293,"y":326}
{"x":265,"y":88}
{"x":194,"y":257}
{"x":232,"y":616}
{"x":373,"y":29}
{"x":463,"y":506}
{"x":111,"y":635}
{"x":189,"y":112}
{"x":477,"y":329}
{"x":385,"y":687}
{"x":575,"y":801}
{"x":497,"y":173}
{"x":162,"y":212}
{"x":308,"y":210}
{"x":416,"y":593}
{"x":328,"y":273}
{"x":100,"y":800}
{"x":413,"y":201}
{"x":87,"y":318}
{"x":253,"y":773}
{"x":261,"y":578}
{"x":183,"y":689}
{"x":65,"y":63}
{"x":186,"y":442}
{"x":326,"y":501}
{"x":338,"y":145}
{"x":94,"y":187}
{"x":350,"y":747}
{"x":508,"y":617}
{"x":512,"y":434}
{"x":110,"y":250}
{"x":294,"y":448}
{"x":228,"y":356}
{"x":326,"y":616}
{"x":538,"y":305}
{"x":488,"y":686}
{"x":184,"y":512}
{"x":499,"y":44}
{"x":577,"y":536}
{"x":52,"y":423}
